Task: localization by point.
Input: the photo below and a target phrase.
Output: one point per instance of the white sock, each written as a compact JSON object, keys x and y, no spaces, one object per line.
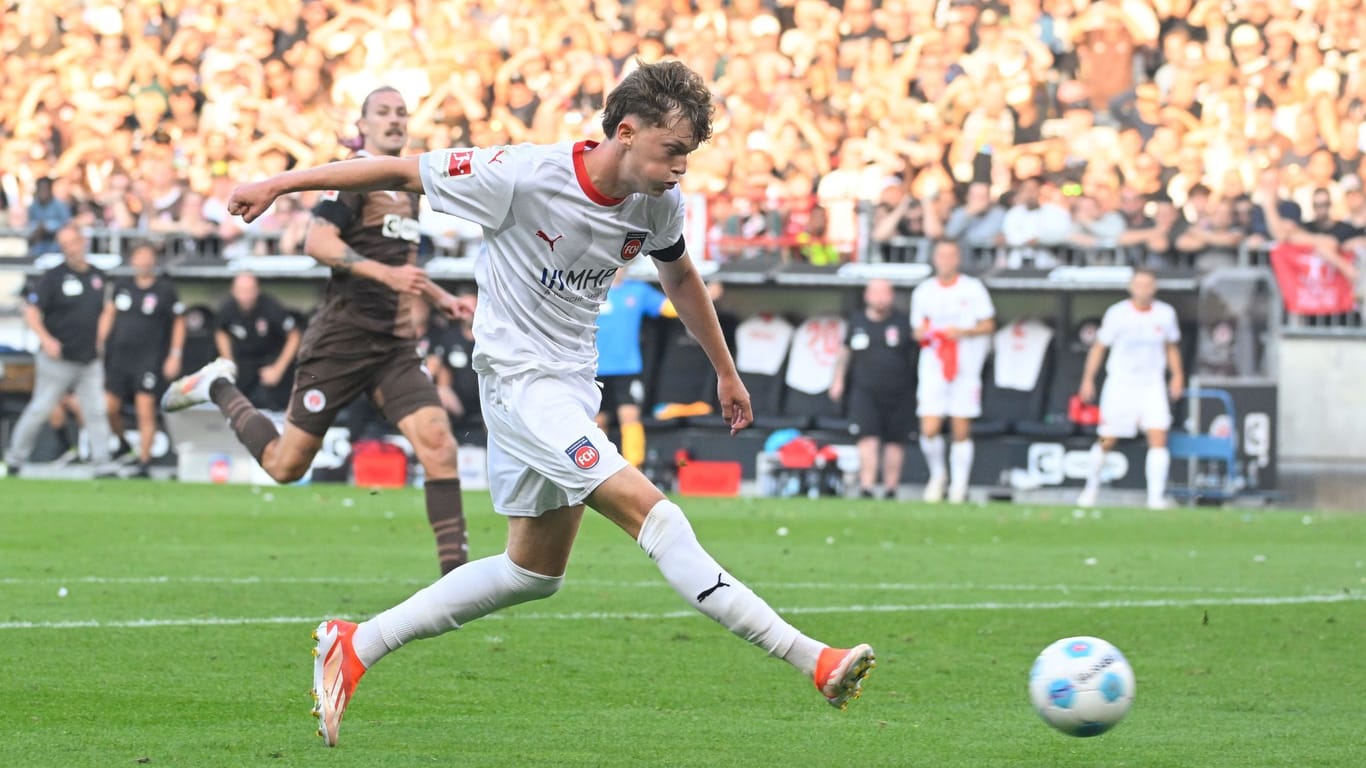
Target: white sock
{"x":1095,"y":468}
{"x":668,"y":538}
{"x":960,"y":461}
{"x":1157,"y":465}
{"x":933,"y":448}
{"x":474,"y":589}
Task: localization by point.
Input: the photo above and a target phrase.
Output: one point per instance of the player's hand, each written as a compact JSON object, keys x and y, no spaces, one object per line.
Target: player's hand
{"x":836,"y":390}
{"x":251,"y":200}
{"x":735,"y":405}
{"x":271,"y":375}
{"x":171,"y":368}
{"x":1087,"y":392}
{"x":450,"y":402}
{"x":457,"y":307}
{"x":52,"y":348}
{"x":1177,"y":388}
{"x":409,"y":278}
{"x":951,"y":332}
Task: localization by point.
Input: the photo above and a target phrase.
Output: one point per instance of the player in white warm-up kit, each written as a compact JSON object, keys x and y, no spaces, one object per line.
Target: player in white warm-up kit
{"x":559,"y":221}
{"x":1141,"y":335}
{"x":953,"y":318}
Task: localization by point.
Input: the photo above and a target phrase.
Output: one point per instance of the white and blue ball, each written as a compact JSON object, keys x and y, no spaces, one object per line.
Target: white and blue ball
{"x":1083,"y":686}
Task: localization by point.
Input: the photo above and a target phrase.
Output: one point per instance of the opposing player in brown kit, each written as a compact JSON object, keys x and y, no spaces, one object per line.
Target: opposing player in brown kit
{"x":362,"y":342}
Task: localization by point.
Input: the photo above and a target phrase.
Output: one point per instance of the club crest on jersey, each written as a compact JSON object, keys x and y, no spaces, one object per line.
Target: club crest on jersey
{"x":631,"y":246}
{"x":460,"y":162}
{"x":583,"y":453}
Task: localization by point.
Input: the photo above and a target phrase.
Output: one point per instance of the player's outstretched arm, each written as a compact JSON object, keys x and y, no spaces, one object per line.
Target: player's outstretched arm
{"x":685,"y":289}
{"x":365,"y":174}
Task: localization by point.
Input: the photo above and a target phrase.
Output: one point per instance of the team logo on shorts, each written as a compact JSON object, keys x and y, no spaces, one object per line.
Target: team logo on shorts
{"x":149,"y":381}
{"x":460,"y":162}
{"x":583,"y":453}
{"x":630,"y":247}
{"x":314,"y":401}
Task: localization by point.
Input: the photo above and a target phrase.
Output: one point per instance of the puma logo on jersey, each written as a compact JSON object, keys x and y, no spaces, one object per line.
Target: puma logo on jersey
{"x":497,"y":157}
{"x":548,"y":239}
{"x":706,"y":593}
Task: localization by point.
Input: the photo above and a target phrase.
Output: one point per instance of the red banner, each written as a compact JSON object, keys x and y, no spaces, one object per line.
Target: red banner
{"x":1309,"y":284}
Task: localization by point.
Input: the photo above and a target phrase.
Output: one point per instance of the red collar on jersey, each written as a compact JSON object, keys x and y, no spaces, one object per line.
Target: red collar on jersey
{"x":586,"y":183}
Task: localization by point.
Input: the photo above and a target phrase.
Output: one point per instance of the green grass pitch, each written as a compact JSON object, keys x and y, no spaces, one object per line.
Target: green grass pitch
{"x":183,"y":639}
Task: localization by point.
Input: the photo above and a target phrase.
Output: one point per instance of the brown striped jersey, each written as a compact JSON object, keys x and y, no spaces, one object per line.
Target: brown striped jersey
{"x":381,"y":226}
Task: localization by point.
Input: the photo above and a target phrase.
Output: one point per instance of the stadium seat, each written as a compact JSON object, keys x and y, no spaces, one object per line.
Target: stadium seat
{"x":1003,"y":409}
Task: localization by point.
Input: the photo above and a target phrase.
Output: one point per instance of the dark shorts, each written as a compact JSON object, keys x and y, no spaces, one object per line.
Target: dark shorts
{"x":126,"y":376}
{"x":888,"y":416}
{"x":391,"y":375}
{"x":622,"y":390}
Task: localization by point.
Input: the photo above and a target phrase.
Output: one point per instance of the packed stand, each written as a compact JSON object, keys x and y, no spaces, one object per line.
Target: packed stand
{"x":1163,"y":132}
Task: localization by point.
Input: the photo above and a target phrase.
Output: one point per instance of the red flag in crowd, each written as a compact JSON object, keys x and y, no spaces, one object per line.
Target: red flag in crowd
{"x":1309,"y":284}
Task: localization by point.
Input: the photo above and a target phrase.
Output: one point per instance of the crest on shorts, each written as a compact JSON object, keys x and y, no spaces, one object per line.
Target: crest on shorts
{"x":630,"y":247}
{"x":314,"y":401}
{"x":583,"y":453}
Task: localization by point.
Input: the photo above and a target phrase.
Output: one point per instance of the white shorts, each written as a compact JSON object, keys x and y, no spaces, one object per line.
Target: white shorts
{"x":1126,"y":408}
{"x":545,"y":450}
{"x":937,"y":396}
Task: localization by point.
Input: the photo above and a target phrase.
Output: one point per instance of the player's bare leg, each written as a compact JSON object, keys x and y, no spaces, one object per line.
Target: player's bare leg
{"x":1156,"y":468}
{"x":145,"y":407}
{"x":632,"y":434}
{"x":288,"y":457}
{"x":114,"y":407}
{"x":532,"y":568}
{"x":867,"y":463}
{"x":284,"y":457}
{"x":893,"y":456}
{"x":932,"y":445}
{"x":428,"y":429}
{"x":631,"y":501}
{"x":961,"y":454}
{"x":1096,"y":467}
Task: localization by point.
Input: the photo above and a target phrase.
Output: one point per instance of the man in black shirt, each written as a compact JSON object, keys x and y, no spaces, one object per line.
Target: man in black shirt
{"x":261,"y":337}
{"x":878,"y":358}
{"x":63,"y":311}
{"x":145,"y":327}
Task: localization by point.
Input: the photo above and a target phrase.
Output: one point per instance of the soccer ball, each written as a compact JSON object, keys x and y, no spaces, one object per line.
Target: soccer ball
{"x":1083,"y":686}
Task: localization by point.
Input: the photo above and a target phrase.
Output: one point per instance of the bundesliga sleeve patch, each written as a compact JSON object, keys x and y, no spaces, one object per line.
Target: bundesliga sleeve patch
{"x":460,"y":162}
{"x":583,"y":453}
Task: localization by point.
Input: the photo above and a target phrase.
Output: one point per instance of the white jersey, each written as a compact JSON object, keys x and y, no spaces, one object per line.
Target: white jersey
{"x":1138,"y":341}
{"x":552,"y":245}
{"x":761,"y":344}
{"x":816,"y":349}
{"x":962,"y":303}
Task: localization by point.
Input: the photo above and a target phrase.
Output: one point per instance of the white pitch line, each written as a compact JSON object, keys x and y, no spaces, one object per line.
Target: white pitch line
{"x":641,"y":584}
{"x":218,"y":621}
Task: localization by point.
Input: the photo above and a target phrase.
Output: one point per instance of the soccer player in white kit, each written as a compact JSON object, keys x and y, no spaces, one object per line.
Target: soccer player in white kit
{"x":953,"y":320}
{"x":559,"y":221}
{"x":1141,"y":335}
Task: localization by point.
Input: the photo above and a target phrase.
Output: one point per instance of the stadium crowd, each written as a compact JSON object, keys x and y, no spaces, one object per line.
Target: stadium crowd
{"x":1173,"y":126}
